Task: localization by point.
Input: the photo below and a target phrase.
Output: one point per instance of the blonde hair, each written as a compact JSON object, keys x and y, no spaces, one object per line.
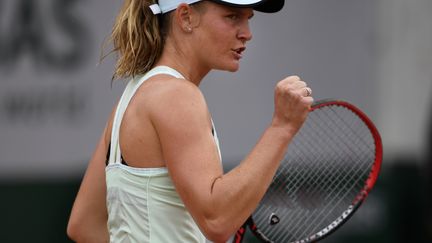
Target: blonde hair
{"x":137,"y":38}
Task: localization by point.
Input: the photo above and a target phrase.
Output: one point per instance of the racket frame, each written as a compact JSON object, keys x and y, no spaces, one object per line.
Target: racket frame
{"x":370,"y":182}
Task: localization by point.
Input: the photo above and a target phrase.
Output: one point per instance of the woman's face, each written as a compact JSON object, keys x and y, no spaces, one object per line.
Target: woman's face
{"x":221,"y":36}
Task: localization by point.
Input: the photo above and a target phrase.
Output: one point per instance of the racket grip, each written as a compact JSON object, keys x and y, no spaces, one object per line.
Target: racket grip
{"x":238,"y":237}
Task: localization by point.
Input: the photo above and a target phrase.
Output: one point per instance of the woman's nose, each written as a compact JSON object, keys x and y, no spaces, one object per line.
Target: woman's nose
{"x":245,"y":33}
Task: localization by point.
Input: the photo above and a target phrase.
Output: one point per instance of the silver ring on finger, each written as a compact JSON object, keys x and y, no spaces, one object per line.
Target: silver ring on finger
{"x":308,"y":91}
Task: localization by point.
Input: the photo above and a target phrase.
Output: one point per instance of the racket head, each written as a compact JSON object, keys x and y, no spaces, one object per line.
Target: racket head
{"x":329,"y":169}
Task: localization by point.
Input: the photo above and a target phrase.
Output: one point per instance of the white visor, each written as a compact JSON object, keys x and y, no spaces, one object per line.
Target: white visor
{"x":267,"y":6}
{"x":169,"y":5}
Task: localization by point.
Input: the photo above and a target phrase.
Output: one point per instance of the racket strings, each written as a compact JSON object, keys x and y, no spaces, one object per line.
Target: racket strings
{"x":310,"y":217}
{"x":314,"y":184}
{"x":330,"y":211}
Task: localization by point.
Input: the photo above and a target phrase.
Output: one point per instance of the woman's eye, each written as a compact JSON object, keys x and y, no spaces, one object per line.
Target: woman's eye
{"x":233,"y":16}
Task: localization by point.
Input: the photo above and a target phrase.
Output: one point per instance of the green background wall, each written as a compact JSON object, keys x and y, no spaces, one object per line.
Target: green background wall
{"x":37,"y":211}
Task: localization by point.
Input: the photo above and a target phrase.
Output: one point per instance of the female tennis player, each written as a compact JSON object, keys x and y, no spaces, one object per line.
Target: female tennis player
{"x":156,"y":175}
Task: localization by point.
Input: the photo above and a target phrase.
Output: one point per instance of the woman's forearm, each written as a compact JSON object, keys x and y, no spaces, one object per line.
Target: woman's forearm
{"x":235,"y":195}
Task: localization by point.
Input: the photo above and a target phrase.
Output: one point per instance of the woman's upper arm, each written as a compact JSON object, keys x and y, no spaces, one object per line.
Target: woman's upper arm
{"x":88,"y":219}
{"x":183,"y":124}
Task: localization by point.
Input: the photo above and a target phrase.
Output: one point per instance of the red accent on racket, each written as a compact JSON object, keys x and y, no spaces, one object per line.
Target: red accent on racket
{"x":329,"y":169}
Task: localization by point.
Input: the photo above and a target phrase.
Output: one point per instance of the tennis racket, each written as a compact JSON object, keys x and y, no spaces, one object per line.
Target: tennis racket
{"x":329,"y":169}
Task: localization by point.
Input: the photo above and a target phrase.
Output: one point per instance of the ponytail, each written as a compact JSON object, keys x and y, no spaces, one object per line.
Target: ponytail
{"x":137,"y":38}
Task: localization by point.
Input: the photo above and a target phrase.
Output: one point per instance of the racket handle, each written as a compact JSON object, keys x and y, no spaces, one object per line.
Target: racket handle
{"x":238,"y":237}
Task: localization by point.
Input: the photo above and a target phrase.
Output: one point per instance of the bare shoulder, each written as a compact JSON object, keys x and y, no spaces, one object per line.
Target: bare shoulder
{"x":166,"y":94}
{"x":169,"y":86}
{"x":174,"y":103}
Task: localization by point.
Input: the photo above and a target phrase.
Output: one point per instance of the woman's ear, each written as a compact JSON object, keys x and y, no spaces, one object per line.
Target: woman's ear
{"x":187,"y":17}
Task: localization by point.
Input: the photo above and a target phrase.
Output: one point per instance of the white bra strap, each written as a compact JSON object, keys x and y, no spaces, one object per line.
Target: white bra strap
{"x":131,"y":88}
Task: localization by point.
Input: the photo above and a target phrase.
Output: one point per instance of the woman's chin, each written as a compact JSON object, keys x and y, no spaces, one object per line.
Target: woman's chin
{"x":233,"y":67}
{"x":230,"y":66}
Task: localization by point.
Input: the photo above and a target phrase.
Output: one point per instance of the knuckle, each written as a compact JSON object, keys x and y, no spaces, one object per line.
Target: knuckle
{"x":280,"y":85}
{"x":294,"y":78}
{"x":283,"y":88}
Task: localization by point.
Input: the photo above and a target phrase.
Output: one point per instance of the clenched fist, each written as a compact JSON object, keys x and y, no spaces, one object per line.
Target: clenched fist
{"x":292,"y":103}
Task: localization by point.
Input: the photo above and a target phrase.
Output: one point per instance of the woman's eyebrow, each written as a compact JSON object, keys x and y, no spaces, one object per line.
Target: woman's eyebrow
{"x":241,"y":12}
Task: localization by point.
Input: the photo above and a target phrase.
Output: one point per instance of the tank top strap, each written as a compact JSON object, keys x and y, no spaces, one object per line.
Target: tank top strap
{"x":130,"y":90}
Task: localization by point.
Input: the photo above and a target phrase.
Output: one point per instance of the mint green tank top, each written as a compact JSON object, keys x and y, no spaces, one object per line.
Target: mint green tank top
{"x":143,"y":204}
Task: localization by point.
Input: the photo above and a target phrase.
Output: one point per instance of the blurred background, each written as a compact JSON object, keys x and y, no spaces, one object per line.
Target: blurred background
{"x":55,"y":97}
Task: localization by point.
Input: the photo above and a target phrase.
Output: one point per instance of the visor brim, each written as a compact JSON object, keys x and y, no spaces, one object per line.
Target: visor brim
{"x":265,"y":6}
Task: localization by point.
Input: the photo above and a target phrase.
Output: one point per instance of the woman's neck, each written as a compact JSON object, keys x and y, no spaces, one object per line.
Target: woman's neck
{"x":183,"y":60}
